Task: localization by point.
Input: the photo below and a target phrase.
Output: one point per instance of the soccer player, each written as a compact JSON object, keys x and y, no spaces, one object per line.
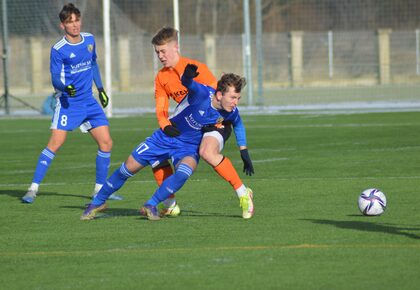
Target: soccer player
{"x":73,"y":67}
{"x":168,"y":85}
{"x":201,"y":107}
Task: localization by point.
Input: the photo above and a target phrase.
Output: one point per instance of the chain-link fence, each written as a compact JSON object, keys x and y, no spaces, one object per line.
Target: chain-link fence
{"x":314,"y":52}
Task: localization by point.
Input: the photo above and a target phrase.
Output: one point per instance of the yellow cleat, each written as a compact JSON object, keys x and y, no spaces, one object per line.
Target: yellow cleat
{"x":247,"y":204}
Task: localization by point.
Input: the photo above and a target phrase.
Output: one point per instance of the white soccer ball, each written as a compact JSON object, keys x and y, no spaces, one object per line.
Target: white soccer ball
{"x":372,"y":201}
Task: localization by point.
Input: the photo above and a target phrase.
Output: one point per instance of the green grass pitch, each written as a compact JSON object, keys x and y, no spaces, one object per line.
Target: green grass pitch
{"x":307,"y":232}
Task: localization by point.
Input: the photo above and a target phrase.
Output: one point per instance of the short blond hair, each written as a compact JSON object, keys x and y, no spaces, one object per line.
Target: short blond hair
{"x":165,"y":35}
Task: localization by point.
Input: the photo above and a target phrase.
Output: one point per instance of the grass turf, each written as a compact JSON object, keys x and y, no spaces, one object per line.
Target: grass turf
{"x":307,"y":232}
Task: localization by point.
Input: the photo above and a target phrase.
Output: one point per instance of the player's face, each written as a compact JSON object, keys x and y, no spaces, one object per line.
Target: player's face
{"x":229,"y":100}
{"x":168,"y":53}
{"x":71,"y":27}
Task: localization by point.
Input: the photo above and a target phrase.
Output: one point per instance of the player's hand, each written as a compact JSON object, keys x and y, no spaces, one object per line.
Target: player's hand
{"x":70,"y":90}
{"x":191,"y":71}
{"x":171,"y":131}
{"x":103,"y":97}
{"x":248,"y":168}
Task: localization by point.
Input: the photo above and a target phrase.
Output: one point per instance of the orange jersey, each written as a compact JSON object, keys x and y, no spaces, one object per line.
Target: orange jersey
{"x":168,"y":85}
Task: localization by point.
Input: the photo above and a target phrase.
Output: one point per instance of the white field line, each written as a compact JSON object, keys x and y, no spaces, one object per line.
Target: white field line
{"x":119,"y":251}
{"x":254,"y":179}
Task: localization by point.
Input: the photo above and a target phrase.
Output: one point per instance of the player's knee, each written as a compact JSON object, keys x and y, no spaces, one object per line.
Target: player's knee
{"x":210,"y":155}
{"x":106,"y":145}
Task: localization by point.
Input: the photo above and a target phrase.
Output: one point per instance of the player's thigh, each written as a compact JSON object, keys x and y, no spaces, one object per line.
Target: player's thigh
{"x":102,"y":137}
{"x":212,"y":143}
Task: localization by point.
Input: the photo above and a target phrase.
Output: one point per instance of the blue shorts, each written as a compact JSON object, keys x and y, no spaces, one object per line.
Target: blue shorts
{"x":71,"y":114}
{"x":159,"y":148}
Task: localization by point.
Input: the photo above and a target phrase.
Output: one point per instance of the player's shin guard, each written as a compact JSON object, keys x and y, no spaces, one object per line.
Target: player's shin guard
{"x":226,"y":170}
{"x":114,"y":182}
{"x":44,"y":162}
{"x":103,"y":159}
{"x":171,"y":185}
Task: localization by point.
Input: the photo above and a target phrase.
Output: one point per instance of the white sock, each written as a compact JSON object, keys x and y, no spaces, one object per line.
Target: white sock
{"x":34,"y":187}
{"x":241,"y":191}
{"x":98,"y":187}
{"x":169,"y":202}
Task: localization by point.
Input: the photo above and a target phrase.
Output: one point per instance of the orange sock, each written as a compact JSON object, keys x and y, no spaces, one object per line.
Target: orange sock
{"x":161,"y":174}
{"x":226,"y":170}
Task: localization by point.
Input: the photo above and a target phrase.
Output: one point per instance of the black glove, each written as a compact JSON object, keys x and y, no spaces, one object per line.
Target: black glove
{"x":70,"y":90}
{"x":103,"y":97}
{"x":191,"y":71}
{"x":248,"y":168}
{"x":171,"y":131}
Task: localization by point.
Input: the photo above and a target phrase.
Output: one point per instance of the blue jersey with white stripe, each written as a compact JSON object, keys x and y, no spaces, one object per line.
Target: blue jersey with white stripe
{"x":74,"y":64}
{"x":196,"y":111}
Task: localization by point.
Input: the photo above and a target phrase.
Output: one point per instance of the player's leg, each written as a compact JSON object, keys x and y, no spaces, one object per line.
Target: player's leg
{"x":114,"y":183}
{"x":103,"y":158}
{"x":169,"y":206}
{"x":210,"y":150}
{"x":57,"y":139}
{"x":172,"y":184}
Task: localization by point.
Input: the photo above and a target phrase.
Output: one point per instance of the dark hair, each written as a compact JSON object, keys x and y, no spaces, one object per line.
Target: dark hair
{"x":231,"y":80}
{"x":67,"y":11}
{"x":165,"y":35}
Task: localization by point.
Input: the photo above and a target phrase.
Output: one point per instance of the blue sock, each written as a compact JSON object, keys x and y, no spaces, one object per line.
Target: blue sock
{"x":171,"y":184}
{"x":44,"y":161}
{"x":103,"y":159}
{"x":114,"y":182}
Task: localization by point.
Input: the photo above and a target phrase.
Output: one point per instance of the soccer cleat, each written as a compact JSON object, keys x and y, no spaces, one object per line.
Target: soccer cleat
{"x":151,"y":212}
{"x":247,"y":204}
{"x":29,"y":197}
{"x":172,"y":210}
{"x":91,"y":211}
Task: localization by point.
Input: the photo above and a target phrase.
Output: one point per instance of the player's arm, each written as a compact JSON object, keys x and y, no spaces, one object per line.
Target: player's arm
{"x":56,"y":66}
{"x":162,"y":108}
{"x":103,"y":97}
{"x":240,"y":134}
{"x":196,"y":91}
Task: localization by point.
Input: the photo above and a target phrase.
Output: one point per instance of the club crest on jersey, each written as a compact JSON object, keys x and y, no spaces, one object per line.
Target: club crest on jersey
{"x":219,"y":120}
{"x":90,"y":47}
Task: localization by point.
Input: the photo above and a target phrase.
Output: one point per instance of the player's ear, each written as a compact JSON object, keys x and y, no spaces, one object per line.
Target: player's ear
{"x":62,"y":25}
{"x":218,"y":96}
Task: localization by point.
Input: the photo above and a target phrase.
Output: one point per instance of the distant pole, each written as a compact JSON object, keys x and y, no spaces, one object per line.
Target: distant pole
{"x":248,"y":68}
{"x":260,"y":53}
{"x":330,"y":54}
{"x":108,"y":51}
{"x":5,"y":58}
{"x":176,"y":21}
{"x":418,"y":51}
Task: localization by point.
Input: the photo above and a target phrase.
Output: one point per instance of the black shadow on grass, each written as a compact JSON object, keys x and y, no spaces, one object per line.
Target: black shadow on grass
{"x":114,"y":212}
{"x":207,"y":214}
{"x":109,"y":212}
{"x":20,"y":193}
{"x":370,"y":227}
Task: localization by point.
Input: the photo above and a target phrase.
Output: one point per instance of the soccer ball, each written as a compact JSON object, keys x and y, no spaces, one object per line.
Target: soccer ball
{"x":372,"y":201}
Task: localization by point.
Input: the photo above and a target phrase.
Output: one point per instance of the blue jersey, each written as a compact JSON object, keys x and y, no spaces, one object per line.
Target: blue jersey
{"x":75,"y":64}
{"x":196,"y":111}
{"x":191,"y":114}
